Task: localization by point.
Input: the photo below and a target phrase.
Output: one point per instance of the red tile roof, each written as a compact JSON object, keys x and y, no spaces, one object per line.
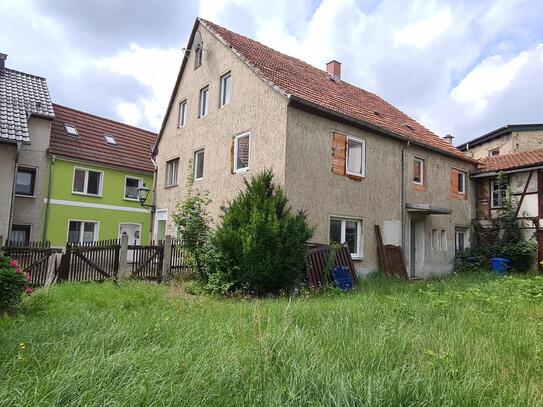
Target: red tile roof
{"x":510,"y":161}
{"x":133,"y":149}
{"x":298,"y":79}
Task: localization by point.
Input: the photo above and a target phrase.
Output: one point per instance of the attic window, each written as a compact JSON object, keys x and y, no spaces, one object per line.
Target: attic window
{"x":110,"y":139}
{"x":71,"y":130}
{"x":375,"y":112}
{"x":409,"y":126}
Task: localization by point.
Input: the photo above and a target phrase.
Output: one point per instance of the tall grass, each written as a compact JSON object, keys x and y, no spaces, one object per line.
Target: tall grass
{"x":461,"y":341}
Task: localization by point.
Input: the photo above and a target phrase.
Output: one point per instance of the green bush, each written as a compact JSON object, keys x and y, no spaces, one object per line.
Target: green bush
{"x":13,"y":284}
{"x":260,"y":245}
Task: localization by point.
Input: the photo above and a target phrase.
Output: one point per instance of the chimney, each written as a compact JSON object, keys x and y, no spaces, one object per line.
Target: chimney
{"x":3,"y":58}
{"x":449,"y":139}
{"x":334,"y":69}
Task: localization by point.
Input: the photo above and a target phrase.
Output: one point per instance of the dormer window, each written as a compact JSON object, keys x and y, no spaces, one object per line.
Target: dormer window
{"x":71,"y":130}
{"x":110,"y":139}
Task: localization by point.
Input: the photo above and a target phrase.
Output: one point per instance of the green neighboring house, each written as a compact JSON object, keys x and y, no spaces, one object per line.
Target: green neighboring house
{"x":95,"y":166}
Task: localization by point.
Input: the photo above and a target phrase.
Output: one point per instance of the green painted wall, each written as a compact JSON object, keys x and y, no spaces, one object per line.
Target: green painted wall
{"x":112,"y":194}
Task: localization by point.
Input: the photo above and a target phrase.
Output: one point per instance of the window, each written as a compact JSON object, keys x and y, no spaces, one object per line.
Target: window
{"x":226,"y":89}
{"x":439,"y":239}
{"x":82,"y":231}
{"x":461,"y":182}
{"x":182,"y":113}
{"x":241,"y":153}
{"x":204,"y":93}
{"x":198,"y":56}
{"x":356,"y":153}
{"x":435,"y":242}
{"x":87,"y":182}
{"x":71,"y":130}
{"x":110,"y":139}
{"x":171,"y":172}
{"x":347,"y":231}
{"x":494,"y":153}
{"x":418,"y":171}
{"x":460,"y":239}
{"x":443,"y":240}
{"x":131,"y":186}
{"x":20,"y":234}
{"x":25,"y":181}
{"x":499,"y":192}
{"x":199,"y":165}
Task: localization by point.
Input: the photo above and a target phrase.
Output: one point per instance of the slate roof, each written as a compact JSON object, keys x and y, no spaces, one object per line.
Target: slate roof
{"x":133,"y":149}
{"x":21,"y":95}
{"x":511,"y":161}
{"x":298,"y":80}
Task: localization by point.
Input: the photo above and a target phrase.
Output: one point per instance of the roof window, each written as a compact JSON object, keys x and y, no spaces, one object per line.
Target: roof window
{"x":409,"y":126}
{"x":110,"y":139}
{"x":71,"y":130}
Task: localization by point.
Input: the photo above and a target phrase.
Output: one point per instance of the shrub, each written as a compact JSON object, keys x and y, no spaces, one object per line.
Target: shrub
{"x":13,"y":284}
{"x":260,"y":245}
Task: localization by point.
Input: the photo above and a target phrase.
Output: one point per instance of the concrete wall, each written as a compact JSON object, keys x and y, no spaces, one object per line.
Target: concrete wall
{"x":28,"y":210}
{"x":7,"y":166}
{"x":512,"y":142}
{"x":254,"y":107}
{"x":376,"y":199}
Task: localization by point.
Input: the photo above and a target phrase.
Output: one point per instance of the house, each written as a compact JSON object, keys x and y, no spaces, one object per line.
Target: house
{"x":346,"y":156}
{"x":26,"y":112}
{"x":507,"y":139}
{"x":94,"y":169}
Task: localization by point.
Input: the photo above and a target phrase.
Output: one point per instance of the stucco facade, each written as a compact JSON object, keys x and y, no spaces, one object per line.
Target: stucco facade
{"x":513,"y":142}
{"x":7,"y":169}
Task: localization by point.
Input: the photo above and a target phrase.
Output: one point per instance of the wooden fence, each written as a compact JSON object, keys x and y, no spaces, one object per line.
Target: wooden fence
{"x":316,"y":262}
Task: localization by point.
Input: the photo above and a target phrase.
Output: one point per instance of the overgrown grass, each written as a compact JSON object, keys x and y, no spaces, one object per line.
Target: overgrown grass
{"x":471,"y":340}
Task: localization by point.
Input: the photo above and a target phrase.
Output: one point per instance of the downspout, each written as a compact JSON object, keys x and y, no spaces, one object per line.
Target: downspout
{"x":50,"y":181}
{"x":151,"y":226}
{"x":402,"y":209}
{"x":10,"y":222}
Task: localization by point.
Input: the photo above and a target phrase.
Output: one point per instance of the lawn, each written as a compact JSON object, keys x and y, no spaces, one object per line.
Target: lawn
{"x":471,"y":340}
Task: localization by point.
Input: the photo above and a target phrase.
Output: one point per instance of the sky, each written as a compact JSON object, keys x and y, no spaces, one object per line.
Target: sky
{"x":458,"y":67}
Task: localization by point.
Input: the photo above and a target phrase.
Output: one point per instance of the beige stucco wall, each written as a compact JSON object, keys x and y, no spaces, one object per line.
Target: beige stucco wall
{"x":512,"y":142}
{"x":310,"y":185}
{"x":7,"y":166}
{"x":254,"y":107}
{"x":28,"y":210}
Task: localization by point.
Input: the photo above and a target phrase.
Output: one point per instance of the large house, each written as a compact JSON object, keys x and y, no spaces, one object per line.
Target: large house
{"x":94,"y":169}
{"x":346,"y":156}
{"x":26,"y":113}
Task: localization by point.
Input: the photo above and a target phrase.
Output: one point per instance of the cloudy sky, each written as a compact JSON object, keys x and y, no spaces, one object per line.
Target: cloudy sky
{"x":460,"y":67}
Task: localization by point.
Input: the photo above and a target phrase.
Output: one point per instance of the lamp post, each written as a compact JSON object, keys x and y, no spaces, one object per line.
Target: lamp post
{"x":143,"y":193}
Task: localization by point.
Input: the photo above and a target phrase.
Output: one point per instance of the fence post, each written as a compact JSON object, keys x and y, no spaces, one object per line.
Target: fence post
{"x":123,"y":258}
{"x":167,"y":258}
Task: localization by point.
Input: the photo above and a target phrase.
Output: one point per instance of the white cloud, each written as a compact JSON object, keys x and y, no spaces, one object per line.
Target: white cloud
{"x":424,"y":31}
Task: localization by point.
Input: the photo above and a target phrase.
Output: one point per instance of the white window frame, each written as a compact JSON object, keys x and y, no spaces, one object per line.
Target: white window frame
{"x":182,"y":114}
{"x":443,"y":240}
{"x":464,"y":231}
{"x":86,"y":182}
{"x":167,"y":184}
{"x":236,"y":139}
{"x":195,"y":161}
{"x":140,"y":184}
{"x":360,"y":141}
{"x":422,"y":165}
{"x":359,"y":255}
{"x":68,"y":132}
{"x":80,"y":240}
{"x":110,"y":139}
{"x":493,"y":189}
{"x":464,"y":182}
{"x":201,"y":104}
{"x":494,"y":150}
{"x":223,"y":78}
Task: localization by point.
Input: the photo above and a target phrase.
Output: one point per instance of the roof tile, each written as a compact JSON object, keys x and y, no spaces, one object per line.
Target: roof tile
{"x":510,"y":161}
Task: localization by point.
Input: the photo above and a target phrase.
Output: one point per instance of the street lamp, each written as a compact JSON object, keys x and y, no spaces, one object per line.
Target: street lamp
{"x":143,"y":193}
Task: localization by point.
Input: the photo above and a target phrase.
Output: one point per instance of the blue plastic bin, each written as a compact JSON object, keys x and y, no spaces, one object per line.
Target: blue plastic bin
{"x":500,"y":265}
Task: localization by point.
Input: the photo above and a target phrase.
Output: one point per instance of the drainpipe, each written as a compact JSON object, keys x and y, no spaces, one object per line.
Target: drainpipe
{"x":10,"y":222}
{"x":402,"y":189}
{"x":151,"y":226}
{"x":50,"y":181}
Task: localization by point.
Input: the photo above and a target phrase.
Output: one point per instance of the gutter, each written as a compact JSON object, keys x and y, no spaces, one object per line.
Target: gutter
{"x":48,"y":204}
{"x":16,"y":165}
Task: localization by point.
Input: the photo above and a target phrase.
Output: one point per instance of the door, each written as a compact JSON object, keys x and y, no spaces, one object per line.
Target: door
{"x":416,"y":252}
{"x":133,"y":231}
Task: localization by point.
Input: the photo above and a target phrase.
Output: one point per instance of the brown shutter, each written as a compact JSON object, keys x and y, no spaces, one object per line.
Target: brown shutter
{"x":232,"y":156}
{"x":339,"y":153}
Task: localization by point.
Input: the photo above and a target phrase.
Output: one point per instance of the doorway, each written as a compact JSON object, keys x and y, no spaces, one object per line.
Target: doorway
{"x":133,"y":231}
{"x":416,"y":250}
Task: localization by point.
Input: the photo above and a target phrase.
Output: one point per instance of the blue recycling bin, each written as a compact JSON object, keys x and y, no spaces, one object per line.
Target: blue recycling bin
{"x":500,"y":265}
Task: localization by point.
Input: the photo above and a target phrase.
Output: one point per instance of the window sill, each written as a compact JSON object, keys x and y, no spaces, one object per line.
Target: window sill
{"x":25,"y":196}
{"x":131,"y":199}
{"x":170,"y":186}
{"x":355,"y":177}
{"x":357,"y":258}
{"x":89,"y":195}
{"x":241,"y":170}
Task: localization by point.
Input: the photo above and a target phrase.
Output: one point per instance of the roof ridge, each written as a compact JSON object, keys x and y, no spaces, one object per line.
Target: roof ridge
{"x":24,"y":73}
{"x":104,"y":118}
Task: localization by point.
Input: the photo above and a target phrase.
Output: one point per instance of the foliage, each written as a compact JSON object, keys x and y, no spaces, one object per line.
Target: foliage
{"x":13,"y":284}
{"x":473,"y":259}
{"x":192,"y":222}
{"x":470,"y":340}
{"x":260,"y":243}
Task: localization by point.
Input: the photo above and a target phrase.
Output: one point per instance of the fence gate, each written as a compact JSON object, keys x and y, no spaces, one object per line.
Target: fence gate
{"x":90,"y":261}
{"x":146,"y":261}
